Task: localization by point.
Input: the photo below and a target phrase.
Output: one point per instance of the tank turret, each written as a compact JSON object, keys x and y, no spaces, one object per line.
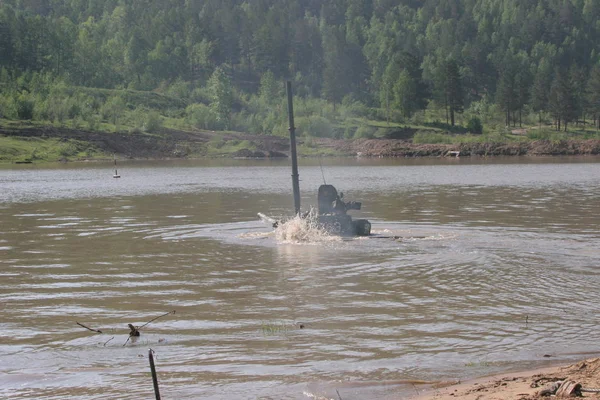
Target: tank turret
{"x":333,"y":213}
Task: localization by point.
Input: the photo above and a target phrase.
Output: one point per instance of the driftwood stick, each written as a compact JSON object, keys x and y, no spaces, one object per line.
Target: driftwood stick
{"x":105,"y":343}
{"x":154,"y":376}
{"x":160,"y":316}
{"x":89,"y":329}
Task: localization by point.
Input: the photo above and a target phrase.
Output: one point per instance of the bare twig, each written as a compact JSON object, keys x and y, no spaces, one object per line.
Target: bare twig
{"x":89,"y":329}
{"x":105,"y":343}
{"x":134,"y":331}
{"x":338,"y":393}
{"x":160,"y":316}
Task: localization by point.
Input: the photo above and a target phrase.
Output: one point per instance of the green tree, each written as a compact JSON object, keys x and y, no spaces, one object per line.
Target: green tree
{"x":561,"y":100}
{"x":541,"y":86}
{"x":135,"y":57}
{"x":270,"y":90}
{"x":593,"y":94}
{"x":454,"y":89}
{"x":335,"y":86}
{"x":386,"y":92}
{"x":506,"y":94}
{"x":219,"y":86}
{"x":523,"y":85}
{"x":405,"y":94}
{"x":578,"y":80}
{"x":114,"y":109}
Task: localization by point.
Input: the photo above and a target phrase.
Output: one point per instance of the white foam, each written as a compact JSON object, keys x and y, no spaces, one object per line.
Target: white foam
{"x":304,"y":229}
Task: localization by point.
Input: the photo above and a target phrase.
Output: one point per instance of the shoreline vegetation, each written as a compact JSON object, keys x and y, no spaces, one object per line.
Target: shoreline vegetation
{"x":31,"y":142}
{"x":171,"y":79}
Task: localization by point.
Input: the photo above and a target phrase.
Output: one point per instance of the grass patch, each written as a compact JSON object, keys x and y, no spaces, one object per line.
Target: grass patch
{"x":177,"y":124}
{"x":134,"y":98}
{"x":310,"y":148}
{"x":432,"y":138}
{"x":220,"y":146}
{"x":428,"y":137}
{"x":34,"y":149}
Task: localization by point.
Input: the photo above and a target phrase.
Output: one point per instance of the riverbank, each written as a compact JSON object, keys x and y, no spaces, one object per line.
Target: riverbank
{"x":51,"y":144}
{"x":526,"y":385}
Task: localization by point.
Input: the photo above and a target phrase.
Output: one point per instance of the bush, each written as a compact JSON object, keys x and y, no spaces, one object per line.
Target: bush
{"x":418,"y":117}
{"x":178,"y":89}
{"x":56,"y":110}
{"x":271,"y":124}
{"x":352,"y":108}
{"x":113,"y":109}
{"x":202,"y":117}
{"x":246,"y":122}
{"x":281,"y":129}
{"x":200,"y":95}
{"x":431,"y":138}
{"x":7,"y":107}
{"x":145,"y":120}
{"x":73,"y":107}
{"x":547,"y":134}
{"x":382,"y":132}
{"x":364,"y":132}
{"x":25,"y":107}
{"x":446,"y":127}
{"x":474,"y":126}
{"x":316,"y":126}
{"x":349,"y":132}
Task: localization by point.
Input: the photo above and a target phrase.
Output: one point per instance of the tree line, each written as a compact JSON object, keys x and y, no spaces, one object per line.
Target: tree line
{"x":398,"y":57}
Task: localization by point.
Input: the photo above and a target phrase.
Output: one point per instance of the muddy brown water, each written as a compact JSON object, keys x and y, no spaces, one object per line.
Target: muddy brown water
{"x":497,"y":265}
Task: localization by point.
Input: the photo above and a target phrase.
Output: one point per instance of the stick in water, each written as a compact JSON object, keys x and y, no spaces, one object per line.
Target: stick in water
{"x":153,"y":370}
{"x":89,"y":329}
{"x":160,"y":316}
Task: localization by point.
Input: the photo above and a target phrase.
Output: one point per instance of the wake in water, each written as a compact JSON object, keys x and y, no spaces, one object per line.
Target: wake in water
{"x":303,"y":230}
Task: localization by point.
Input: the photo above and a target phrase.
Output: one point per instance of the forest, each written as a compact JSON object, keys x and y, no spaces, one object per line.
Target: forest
{"x":359,"y":67}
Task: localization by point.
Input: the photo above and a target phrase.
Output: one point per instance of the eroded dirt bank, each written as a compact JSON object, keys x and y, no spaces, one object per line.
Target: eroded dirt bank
{"x":181,"y":144}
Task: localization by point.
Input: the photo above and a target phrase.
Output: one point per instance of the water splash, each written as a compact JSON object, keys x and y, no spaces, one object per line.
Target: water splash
{"x":305,"y":229}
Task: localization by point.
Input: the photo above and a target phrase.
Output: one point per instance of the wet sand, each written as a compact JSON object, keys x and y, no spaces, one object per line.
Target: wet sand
{"x":520,"y":385}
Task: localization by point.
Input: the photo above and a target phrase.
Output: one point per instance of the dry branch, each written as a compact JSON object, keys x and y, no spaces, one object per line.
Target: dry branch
{"x":89,"y":329}
{"x":160,"y":316}
{"x":134,"y":331}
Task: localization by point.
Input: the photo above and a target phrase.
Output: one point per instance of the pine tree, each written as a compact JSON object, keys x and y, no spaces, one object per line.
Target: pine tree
{"x":593,"y":94}
{"x":505,"y":94}
{"x":454,"y":89}
{"x":522,"y":84}
{"x":562,"y":101}
{"x":540,"y":89}
{"x":577,"y":80}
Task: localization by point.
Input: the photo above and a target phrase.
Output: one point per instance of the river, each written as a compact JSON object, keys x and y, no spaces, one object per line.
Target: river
{"x":492,"y":265}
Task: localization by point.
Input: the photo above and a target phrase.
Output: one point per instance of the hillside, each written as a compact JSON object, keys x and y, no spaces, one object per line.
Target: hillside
{"x":220,"y":65}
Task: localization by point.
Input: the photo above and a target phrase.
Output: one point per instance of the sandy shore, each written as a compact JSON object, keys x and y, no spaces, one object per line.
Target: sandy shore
{"x":521,"y":386}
